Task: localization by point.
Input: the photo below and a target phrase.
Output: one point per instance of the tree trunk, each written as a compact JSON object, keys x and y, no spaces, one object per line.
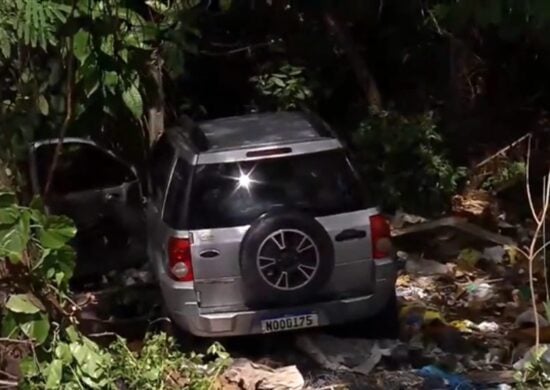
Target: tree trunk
{"x":156,"y":112}
{"x":362,"y":72}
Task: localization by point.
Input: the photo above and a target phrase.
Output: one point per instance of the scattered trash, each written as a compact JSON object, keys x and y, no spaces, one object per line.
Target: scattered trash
{"x":248,"y":375}
{"x":446,"y":237}
{"x":464,"y":326}
{"x":342,"y":354}
{"x":426,"y":267}
{"x":468,"y":258}
{"x":495,"y":254}
{"x":504,"y":386}
{"x":401,"y":219}
{"x":411,"y":293}
{"x":479,"y":206}
{"x":479,"y":292}
{"x":437,"y":376}
{"x":488,"y":326}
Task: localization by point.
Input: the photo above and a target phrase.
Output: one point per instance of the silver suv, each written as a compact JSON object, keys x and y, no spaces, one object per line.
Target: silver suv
{"x":259,"y":224}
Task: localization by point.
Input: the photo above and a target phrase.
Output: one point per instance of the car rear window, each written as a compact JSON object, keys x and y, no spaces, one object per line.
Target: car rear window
{"x":235,"y":194}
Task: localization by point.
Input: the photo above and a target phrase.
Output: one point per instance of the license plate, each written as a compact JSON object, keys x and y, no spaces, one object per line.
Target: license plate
{"x":289,"y":323}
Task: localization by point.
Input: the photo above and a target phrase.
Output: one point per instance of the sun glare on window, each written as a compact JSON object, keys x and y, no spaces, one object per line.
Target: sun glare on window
{"x":244,"y":181}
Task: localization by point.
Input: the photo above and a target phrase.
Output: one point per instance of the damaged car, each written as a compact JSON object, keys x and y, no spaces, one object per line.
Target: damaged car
{"x":255,"y":224}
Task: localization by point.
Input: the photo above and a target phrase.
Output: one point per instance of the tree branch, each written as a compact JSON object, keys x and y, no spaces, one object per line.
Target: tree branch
{"x":70,"y":109}
{"x":362,"y":72}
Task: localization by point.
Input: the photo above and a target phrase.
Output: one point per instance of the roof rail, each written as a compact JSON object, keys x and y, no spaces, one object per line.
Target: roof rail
{"x":319,"y":124}
{"x":196,"y":135}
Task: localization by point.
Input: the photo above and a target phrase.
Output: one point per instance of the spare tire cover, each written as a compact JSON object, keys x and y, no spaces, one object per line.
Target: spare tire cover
{"x":286,"y":258}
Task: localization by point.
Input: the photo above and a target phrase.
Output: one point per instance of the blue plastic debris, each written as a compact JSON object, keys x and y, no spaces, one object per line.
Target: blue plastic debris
{"x":452,"y":381}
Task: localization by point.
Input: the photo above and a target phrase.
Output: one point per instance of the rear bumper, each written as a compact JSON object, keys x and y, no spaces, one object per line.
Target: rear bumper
{"x":180,"y":300}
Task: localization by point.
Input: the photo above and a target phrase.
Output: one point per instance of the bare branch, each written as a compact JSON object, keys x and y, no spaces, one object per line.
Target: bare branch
{"x":14,"y":341}
{"x":527,"y":181}
{"x":8,"y":384}
{"x":247,"y":48}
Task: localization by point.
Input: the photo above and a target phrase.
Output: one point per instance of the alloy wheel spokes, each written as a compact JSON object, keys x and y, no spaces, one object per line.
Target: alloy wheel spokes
{"x":288,"y":259}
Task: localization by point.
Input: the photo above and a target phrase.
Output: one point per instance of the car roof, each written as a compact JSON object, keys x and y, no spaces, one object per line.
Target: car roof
{"x":260,"y":129}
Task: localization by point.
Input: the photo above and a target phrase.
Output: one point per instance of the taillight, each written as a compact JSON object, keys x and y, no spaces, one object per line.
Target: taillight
{"x":381,"y":237}
{"x":179,"y":259}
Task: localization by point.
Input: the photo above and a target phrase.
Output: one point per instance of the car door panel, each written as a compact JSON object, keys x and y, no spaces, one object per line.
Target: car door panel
{"x":102,"y":194}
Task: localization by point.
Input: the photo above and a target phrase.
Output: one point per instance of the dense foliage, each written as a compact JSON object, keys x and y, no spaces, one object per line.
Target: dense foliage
{"x":97,"y":67}
{"x":404,"y":161}
{"x":36,"y":264}
{"x":77,"y":363}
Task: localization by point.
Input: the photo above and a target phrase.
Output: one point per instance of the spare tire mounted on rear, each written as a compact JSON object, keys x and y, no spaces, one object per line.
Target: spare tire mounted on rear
{"x":286,"y":258}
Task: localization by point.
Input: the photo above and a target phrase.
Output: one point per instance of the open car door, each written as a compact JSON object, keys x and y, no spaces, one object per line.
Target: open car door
{"x":102,"y":194}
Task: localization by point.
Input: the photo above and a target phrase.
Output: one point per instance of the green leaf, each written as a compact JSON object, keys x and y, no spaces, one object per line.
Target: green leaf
{"x":22,"y":303}
{"x":88,"y":359}
{"x":29,"y":367}
{"x":57,"y":232}
{"x":81,"y":45}
{"x":225,"y":5}
{"x":7,"y":199}
{"x":174,"y":59}
{"x":278,"y":82}
{"x":110,"y":80}
{"x":132,"y":99}
{"x":43,"y":105}
{"x":157,"y":6}
{"x":9,"y":325}
{"x":13,"y":241}
{"x":37,"y":328}
{"x":54,"y":372}
{"x":108,"y":45}
{"x":5,"y":48}
{"x":63,"y":352}
{"x":37,"y":204}
{"x":59,"y":265}
{"x":8,"y":215}
{"x":72,"y":334}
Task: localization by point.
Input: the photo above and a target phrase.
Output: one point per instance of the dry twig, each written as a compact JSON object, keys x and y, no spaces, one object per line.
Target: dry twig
{"x":532,"y":252}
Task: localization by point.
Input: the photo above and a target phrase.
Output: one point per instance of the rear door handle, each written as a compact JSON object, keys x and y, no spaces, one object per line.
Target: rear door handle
{"x":209,"y":253}
{"x":350,"y":234}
